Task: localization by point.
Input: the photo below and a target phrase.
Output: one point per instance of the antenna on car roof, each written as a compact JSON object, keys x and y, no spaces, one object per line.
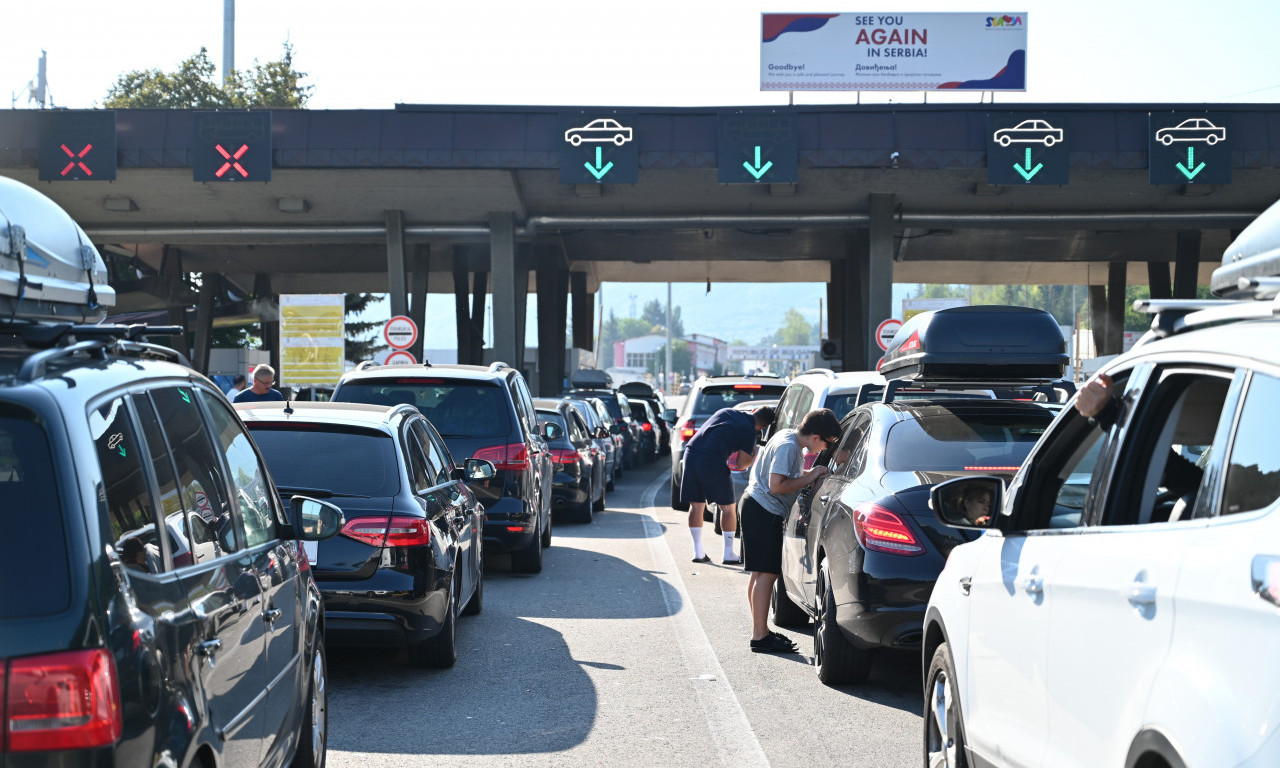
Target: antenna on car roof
{"x":288,"y":401}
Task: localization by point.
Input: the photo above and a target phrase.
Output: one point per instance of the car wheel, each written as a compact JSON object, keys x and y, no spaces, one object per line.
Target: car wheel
{"x":1211,"y":139}
{"x":1167,"y":140}
{"x":441,"y":651}
{"x":785,"y":612}
{"x":546,"y":533}
{"x":476,"y":603}
{"x":676,"y":503}
{"x":529,"y":559}
{"x":1004,"y":141}
{"x":836,"y":659}
{"x":582,"y":512}
{"x":608,"y":486}
{"x":1049,"y":141}
{"x":943,"y":723}
{"x":619,"y":139}
{"x":313,"y":739}
{"x":575,"y":140}
{"x":600,"y":505}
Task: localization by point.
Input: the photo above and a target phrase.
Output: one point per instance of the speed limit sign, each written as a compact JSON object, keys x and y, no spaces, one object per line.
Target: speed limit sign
{"x":400,"y":332}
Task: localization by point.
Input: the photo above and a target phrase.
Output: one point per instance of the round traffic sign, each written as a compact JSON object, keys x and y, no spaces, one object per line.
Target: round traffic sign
{"x":885,"y":332}
{"x":400,"y":357}
{"x":879,"y":363}
{"x":400,"y":332}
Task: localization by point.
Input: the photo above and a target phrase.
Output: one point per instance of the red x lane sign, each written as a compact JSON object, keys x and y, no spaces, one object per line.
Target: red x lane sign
{"x":232,"y":161}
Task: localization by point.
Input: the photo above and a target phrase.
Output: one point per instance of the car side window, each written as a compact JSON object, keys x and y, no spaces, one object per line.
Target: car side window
{"x":248,"y":477}
{"x":782,"y":419}
{"x":846,"y":460}
{"x":524,"y":401}
{"x":417,"y":455}
{"x":208,"y":525}
{"x":1161,"y":466}
{"x":577,"y":429}
{"x":1253,"y":471}
{"x":130,"y":506}
{"x":166,"y":481}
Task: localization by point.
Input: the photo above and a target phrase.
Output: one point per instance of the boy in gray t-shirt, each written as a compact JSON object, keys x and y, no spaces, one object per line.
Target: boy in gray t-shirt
{"x":782,"y":456}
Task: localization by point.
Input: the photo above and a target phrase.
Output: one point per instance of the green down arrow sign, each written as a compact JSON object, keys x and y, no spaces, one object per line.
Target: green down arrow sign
{"x":757,"y":170}
{"x":1028,"y":172}
{"x":1191,"y":170}
{"x":598,"y":171}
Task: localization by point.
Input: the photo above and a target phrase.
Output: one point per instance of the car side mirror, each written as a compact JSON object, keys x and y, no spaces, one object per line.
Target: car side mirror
{"x":615,"y":429}
{"x":669,"y":415}
{"x":968,"y":502}
{"x":603,"y":432}
{"x":552,"y":431}
{"x":477,"y":469}
{"x":315,"y":520}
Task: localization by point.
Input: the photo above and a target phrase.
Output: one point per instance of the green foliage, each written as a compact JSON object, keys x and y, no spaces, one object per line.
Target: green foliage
{"x":681,"y":359}
{"x":795,"y":331}
{"x":655,"y":316}
{"x":194,"y":85}
{"x":363,"y":339}
{"x":1061,"y":301}
{"x":623,"y":328}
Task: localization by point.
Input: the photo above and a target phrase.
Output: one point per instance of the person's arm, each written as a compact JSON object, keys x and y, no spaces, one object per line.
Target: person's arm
{"x":1096,"y":402}
{"x":781,"y":484}
{"x":742,"y":459}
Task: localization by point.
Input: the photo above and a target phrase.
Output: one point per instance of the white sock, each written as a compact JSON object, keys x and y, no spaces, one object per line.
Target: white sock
{"x":696,"y":533}
{"x":728,"y":546}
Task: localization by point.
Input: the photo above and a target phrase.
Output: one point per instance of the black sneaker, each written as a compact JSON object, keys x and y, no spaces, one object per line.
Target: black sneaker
{"x":703,"y":559}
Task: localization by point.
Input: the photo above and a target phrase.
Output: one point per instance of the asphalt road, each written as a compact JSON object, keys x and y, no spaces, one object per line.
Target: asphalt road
{"x":621,"y":652}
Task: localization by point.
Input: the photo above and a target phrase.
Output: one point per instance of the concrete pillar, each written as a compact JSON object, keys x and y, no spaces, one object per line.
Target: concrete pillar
{"x":855,"y":337}
{"x":479,"y":294}
{"x":1187,"y":264}
{"x":583,"y":314}
{"x":1115,"y":307}
{"x":270,"y":326}
{"x":418,"y":298}
{"x":502,"y":261}
{"x":397,"y":278}
{"x":461,"y":310}
{"x":1158,"y":279}
{"x":522,"y":259}
{"x":878,"y":283}
{"x":204,"y":322}
{"x":553,"y":305}
{"x":837,"y":306}
{"x":1098,"y":317}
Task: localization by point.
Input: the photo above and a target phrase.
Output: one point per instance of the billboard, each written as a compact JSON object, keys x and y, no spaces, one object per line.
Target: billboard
{"x":893,"y":51}
{"x":312,"y":339}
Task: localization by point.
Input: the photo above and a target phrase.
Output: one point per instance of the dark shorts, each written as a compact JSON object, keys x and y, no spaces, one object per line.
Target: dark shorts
{"x":705,"y":479}
{"x":761,"y":537}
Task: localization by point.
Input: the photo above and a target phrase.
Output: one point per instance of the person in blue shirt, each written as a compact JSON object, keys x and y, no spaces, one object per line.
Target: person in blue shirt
{"x":704,"y":478}
{"x":261,"y":391}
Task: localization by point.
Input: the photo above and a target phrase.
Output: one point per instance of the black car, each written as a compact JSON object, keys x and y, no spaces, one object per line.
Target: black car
{"x":619,"y":408}
{"x":642,"y":413}
{"x":578,"y":488}
{"x":606,"y":442}
{"x":483,"y":413}
{"x":639,"y":390}
{"x":708,"y":395}
{"x":862,"y":548}
{"x":410,"y":557}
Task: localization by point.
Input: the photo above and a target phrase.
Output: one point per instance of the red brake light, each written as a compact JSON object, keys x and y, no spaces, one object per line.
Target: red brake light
{"x":514,"y":456}
{"x":687,"y":430}
{"x":647,"y":427}
{"x":880,"y":530}
{"x":1013,"y":468}
{"x":564,"y":456}
{"x":747,"y":386}
{"x":389,"y":532}
{"x":61,"y":701}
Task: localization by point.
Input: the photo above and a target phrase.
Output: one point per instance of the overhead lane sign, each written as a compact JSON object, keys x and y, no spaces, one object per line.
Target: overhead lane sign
{"x":757,"y":147}
{"x":1026,"y":149}
{"x":77,"y":145}
{"x":1189,"y":148}
{"x":893,"y":51}
{"x":598,"y":149}
{"x":231,"y":146}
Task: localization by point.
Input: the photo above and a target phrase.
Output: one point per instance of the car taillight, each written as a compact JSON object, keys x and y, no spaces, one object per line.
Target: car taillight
{"x":880,"y":530}
{"x":564,"y":456}
{"x":514,"y":456}
{"x":65,"y":700}
{"x":304,"y":562}
{"x":647,"y":427}
{"x":389,"y":532}
{"x":687,"y":430}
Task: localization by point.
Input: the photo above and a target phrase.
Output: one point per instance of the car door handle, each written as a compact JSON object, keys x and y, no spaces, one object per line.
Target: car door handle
{"x":271,"y":615}
{"x":824,"y":499}
{"x":966,"y":584}
{"x":209,"y":647}
{"x":1034,"y":586}
{"x":1140,"y":593}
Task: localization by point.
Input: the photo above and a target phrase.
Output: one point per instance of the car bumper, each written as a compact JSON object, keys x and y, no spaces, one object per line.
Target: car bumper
{"x":501,"y":517}
{"x":385,"y":611}
{"x":882,"y":602}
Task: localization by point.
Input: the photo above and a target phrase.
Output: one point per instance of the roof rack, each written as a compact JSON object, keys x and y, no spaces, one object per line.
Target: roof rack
{"x":823,"y":371}
{"x":64,"y":340}
{"x":1174,"y":316}
{"x":365,"y":365}
{"x":1053,"y":391}
{"x":498,"y":366}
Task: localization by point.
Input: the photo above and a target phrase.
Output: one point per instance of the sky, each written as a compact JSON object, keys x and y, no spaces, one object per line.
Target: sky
{"x":377,"y":53}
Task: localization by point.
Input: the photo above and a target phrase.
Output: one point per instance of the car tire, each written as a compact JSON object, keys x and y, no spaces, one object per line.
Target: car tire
{"x":546,"y":533}
{"x":313,"y":738}
{"x":608,"y":486}
{"x":1211,"y":139}
{"x":604,"y":495}
{"x":575,"y":140}
{"x":441,"y":651}
{"x":944,"y":742}
{"x":476,"y":603}
{"x":619,"y":139}
{"x":676,"y":503}
{"x":785,"y":612}
{"x":582,"y":512}
{"x":837,"y":660}
{"x":1167,"y":140}
{"x":1049,"y":141}
{"x":529,"y":559}
{"x":1004,"y":141}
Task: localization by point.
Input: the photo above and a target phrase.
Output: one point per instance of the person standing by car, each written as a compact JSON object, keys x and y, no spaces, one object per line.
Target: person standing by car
{"x":261,"y":391}
{"x":775,"y":480}
{"x":237,"y":386}
{"x":728,"y":434}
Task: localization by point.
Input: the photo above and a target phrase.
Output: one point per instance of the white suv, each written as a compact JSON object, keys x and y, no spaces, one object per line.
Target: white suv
{"x":822,"y":388}
{"x":1122,"y":607}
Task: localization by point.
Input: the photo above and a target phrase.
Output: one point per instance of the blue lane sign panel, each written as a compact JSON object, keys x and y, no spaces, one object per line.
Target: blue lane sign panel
{"x":231,"y":146}
{"x":757,"y":148}
{"x":1189,"y":148}
{"x":1026,"y":149}
{"x":77,"y":145}
{"x":598,"y":148}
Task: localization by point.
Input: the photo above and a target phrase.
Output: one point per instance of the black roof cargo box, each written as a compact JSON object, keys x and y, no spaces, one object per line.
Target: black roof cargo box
{"x":591,"y":378}
{"x":984,"y":343}
{"x":1254,"y":253}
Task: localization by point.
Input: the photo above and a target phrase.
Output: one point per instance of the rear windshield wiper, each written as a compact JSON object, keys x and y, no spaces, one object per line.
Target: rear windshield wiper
{"x":319,"y":493}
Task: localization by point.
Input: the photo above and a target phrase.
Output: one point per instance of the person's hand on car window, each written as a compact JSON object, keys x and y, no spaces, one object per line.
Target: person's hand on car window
{"x":1094,"y":395}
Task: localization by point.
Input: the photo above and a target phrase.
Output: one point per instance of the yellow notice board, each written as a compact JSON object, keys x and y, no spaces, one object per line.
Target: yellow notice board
{"x":312,"y":339}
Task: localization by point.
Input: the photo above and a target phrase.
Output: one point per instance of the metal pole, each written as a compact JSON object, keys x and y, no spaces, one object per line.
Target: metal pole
{"x":666,"y":374}
{"x":228,"y":39}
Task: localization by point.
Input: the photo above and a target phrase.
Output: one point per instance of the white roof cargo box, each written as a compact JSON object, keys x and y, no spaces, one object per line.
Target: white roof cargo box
{"x":48,"y":267}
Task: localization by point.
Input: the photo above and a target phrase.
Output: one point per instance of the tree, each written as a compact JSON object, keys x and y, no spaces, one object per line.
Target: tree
{"x":194,"y":85}
{"x":621,"y":329}
{"x":359,"y":344}
{"x":655,"y":314}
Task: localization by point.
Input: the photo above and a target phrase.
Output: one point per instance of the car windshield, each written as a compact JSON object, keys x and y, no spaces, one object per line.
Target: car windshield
{"x":344,"y":461}
{"x":456,"y":408}
{"x":993,"y":442}
{"x":840,"y":405}
{"x":32,"y":539}
{"x":714,"y":397}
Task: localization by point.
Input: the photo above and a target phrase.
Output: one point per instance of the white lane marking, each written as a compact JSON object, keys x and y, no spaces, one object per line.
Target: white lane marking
{"x":735,"y":741}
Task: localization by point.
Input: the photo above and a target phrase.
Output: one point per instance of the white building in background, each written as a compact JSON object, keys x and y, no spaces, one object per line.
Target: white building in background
{"x":634,"y":356}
